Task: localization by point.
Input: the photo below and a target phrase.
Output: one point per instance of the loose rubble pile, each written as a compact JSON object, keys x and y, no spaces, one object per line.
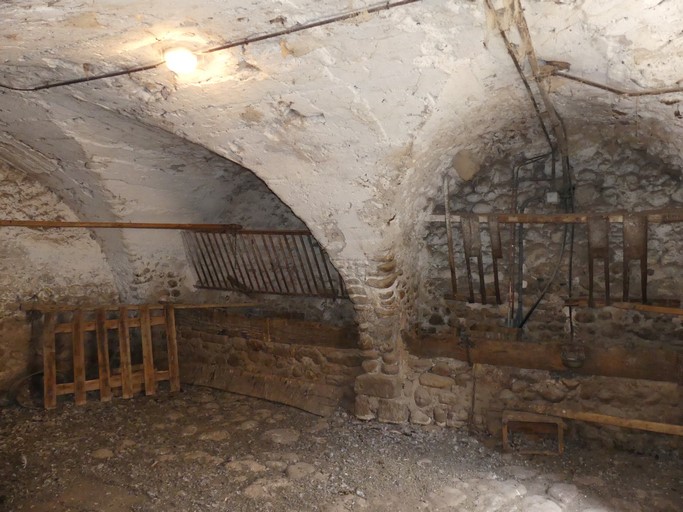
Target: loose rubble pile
{"x":209,"y":450}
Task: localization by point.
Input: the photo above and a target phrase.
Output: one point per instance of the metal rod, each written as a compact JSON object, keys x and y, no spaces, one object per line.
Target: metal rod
{"x":193,"y":249}
{"x":327,"y":271}
{"x":223,"y":271}
{"x":288,"y":254}
{"x":202,"y":254}
{"x":272,"y":260}
{"x":240,"y":255}
{"x":301,"y":264}
{"x":260,"y":261}
{"x":223,"y":245}
{"x":278,"y":260}
{"x":315,"y":251}
{"x":305,"y":248}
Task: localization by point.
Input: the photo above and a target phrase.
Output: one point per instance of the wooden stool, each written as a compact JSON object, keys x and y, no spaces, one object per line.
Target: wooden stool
{"x":536,"y":421}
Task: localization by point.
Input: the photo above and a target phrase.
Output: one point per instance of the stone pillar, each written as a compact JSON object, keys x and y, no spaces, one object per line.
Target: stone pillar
{"x":379,"y":391}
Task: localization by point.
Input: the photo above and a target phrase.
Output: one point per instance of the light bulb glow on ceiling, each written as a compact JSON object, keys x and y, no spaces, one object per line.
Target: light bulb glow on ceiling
{"x":180,"y":60}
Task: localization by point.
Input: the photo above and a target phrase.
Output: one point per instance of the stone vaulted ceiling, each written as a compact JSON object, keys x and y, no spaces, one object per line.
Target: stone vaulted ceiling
{"x":352,"y":124}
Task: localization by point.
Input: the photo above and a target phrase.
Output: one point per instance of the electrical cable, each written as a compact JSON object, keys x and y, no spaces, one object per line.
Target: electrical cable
{"x":299,"y":27}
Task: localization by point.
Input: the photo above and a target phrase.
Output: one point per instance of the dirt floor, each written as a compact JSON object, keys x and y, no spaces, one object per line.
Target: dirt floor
{"x":210,"y":450}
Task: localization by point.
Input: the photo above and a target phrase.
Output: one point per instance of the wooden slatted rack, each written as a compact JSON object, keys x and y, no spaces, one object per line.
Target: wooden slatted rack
{"x":127,"y":376}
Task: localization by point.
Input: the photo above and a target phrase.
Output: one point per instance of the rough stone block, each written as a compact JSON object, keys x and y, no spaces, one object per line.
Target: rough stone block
{"x":391,"y":369}
{"x":436,"y":381}
{"x":365,"y":408}
{"x":422,"y":397}
{"x":391,"y":411}
{"x":419,"y":417}
{"x":378,"y":385}
{"x":344,"y":357}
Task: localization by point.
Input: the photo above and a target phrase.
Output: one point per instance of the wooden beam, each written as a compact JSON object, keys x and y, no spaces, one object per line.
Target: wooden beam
{"x":147,"y":351}
{"x":653,"y":216}
{"x":49,"y":362}
{"x":172,"y":347}
{"x":103,"y":356}
{"x":124,"y":351}
{"x":32,"y":306}
{"x":78,"y":339}
{"x":616,"y":421}
{"x":60,"y":224}
{"x":666,"y":307}
{"x":108,"y":324}
{"x":137,"y":383}
{"x":655,"y":364}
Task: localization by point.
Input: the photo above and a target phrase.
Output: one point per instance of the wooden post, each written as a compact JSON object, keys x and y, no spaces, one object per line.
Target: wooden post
{"x":147,"y":351}
{"x":124,"y":350}
{"x":103,"y":355}
{"x":79,"y":357}
{"x":49,"y":361}
{"x":172,"y":345}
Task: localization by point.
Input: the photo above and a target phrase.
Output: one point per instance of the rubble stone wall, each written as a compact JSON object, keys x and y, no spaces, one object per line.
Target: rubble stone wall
{"x":309,"y":365}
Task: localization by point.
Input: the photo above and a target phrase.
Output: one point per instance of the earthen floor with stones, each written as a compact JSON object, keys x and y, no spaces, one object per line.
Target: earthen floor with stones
{"x":209,"y":450}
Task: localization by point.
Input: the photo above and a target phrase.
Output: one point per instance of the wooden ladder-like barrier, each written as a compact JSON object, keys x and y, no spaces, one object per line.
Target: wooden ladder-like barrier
{"x":127,"y":376}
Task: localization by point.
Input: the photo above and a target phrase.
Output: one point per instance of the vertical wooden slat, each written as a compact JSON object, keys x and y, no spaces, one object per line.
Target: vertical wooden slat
{"x":147,"y":351}
{"x":124,"y":350}
{"x":172,"y":345}
{"x":103,"y":355}
{"x":78,"y":336}
{"x":49,"y":361}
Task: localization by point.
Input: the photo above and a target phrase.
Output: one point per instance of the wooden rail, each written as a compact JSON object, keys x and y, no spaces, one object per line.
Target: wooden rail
{"x":653,"y":217}
{"x":616,"y":421}
{"x":656,"y":364}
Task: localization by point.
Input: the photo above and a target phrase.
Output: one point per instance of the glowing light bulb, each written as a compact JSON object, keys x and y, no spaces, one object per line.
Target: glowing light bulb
{"x":180,"y":60}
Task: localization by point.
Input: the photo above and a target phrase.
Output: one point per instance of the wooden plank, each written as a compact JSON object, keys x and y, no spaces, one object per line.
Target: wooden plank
{"x":662,"y":306}
{"x":616,"y":421}
{"x":109,"y":324}
{"x":172,"y":346}
{"x":33,"y":306}
{"x":124,"y":351}
{"x":103,"y":356}
{"x":657,"y":364}
{"x":49,"y":362}
{"x":147,"y":351}
{"x":653,"y":216}
{"x":78,"y":338}
{"x":137,"y":382}
{"x":42,"y":224}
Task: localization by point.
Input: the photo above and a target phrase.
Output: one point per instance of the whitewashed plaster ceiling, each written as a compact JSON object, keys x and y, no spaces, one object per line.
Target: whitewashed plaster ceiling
{"x":352,"y":124}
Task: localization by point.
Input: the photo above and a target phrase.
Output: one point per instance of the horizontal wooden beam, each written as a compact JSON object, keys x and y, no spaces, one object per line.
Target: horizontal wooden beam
{"x":43,"y":307}
{"x":114,"y":382}
{"x":616,"y":421}
{"x":109,"y":324}
{"x":653,"y":217}
{"x":655,"y":364}
{"x":219,"y":228}
{"x":662,"y":306}
{"x":61,"y":224}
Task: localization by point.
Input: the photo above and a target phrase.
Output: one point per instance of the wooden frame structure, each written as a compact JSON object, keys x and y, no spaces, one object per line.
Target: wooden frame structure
{"x":129,"y":377}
